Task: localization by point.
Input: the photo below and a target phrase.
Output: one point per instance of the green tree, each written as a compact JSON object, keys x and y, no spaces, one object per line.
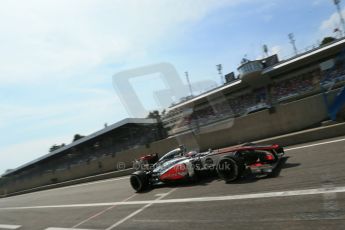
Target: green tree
{"x":162,"y":132}
{"x":77,"y":137}
{"x":154,"y":115}
{"x":164,"y":112}
{"x":327,"y":40}
{"x":56,"y":147}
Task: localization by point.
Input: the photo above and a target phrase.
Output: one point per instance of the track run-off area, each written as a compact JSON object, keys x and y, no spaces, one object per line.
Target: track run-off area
{"x":308,"y":192}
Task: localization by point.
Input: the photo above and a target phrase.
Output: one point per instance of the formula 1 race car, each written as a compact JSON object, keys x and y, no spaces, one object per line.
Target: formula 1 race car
{"x":229,"y":164}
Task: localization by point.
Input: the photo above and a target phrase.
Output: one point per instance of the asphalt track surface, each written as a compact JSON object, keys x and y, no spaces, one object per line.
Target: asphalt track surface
{"x":307,"y":193}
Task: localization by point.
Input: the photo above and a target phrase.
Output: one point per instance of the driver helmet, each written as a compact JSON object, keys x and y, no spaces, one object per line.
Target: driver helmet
{"x":191,"y":153}
{"x":182,"y":149}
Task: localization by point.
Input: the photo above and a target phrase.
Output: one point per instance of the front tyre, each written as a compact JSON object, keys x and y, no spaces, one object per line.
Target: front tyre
{"x":139,"y":181}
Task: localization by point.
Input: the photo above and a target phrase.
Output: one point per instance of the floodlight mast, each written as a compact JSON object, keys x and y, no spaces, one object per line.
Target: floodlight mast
{"x":188,"y":82}
{"x":342,"y":21}
{"x":265,"y":49}
{"x":220,"y":68}
{"x":293,"y":42}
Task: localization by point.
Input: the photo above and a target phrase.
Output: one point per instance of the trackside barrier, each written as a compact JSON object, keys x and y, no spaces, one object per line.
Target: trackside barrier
{"x":103,"y":176}
{"x":305,"y":136}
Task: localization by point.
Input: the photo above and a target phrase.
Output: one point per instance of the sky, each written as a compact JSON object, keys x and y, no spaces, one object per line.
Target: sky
{"x":58,"y":56}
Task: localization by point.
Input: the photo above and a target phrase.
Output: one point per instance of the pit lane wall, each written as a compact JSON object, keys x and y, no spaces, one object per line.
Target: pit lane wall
{"x":284,"y":119}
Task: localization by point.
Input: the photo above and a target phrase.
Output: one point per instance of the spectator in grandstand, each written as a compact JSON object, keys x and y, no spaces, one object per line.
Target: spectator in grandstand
{"x":292,"y":87}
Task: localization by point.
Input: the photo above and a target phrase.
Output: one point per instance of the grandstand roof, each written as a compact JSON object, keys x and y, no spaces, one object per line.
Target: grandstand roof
{"x":207,"y":93}
{"x":303,"y":56}
{"x":84,"y":139}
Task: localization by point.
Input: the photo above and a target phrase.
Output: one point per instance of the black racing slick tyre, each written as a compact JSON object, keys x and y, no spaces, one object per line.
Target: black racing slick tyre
{"x":139,"y":181}
{"x":230,"y":169}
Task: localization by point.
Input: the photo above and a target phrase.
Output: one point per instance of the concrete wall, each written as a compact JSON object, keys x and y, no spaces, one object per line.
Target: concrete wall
{"x":122,"y":160}
{"x":286,"y":118}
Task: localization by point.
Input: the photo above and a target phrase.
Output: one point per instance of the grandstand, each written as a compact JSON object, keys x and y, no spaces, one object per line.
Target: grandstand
{"x":261,"y":84}
{"x":126,"y":134}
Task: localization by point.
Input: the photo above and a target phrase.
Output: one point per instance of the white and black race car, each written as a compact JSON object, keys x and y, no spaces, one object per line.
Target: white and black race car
{"x":229,"y":163}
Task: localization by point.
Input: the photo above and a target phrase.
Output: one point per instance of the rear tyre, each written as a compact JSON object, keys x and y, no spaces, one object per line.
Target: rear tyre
{"x":139,"y":181}
{"x":230,"y":169}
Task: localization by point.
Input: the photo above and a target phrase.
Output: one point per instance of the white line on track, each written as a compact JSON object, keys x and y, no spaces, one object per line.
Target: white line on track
{"x":95,"y":182}
{"x":101,"y":212}
{"x":87,"y":183}
{"x":68,"y":187}
{"x":305,"y":192}
{"x":6,"y":226}
{"x":66,"y":229}
{"x":139,"y":210}
{"x":316,"y":144}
